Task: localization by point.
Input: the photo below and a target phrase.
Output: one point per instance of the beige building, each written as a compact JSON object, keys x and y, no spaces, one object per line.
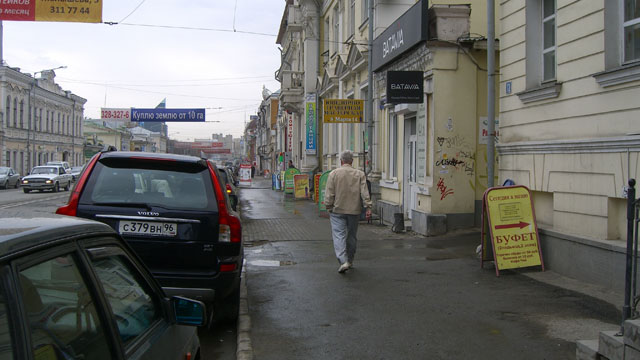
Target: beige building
{"x":40,"y":121}
{"x":569,"y":125}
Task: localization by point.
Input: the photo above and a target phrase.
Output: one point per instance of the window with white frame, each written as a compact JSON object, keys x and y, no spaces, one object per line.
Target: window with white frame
{"x":327,"y":27}
{"x":352,"y":18}
{"x":364,"y":10}
{"x":549,"y":40}
{"x":336,"y":29}
{"x":631,"y":30}
{"x":392,"y":140}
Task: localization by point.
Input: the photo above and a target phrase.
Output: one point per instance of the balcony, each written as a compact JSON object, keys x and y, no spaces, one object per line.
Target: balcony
{"x":291,"y":88}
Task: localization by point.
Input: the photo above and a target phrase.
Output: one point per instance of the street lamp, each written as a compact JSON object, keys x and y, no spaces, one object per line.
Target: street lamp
{"x":32,"y":117}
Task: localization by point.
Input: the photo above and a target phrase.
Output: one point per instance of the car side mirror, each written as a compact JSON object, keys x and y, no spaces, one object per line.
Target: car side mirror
{"x":188,"y":311}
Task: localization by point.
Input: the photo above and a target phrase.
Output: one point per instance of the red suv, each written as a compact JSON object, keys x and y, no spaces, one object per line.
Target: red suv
{"x":175,"y":213}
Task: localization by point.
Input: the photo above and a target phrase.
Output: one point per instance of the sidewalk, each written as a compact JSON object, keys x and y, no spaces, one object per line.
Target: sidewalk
{"x":281,"y":233}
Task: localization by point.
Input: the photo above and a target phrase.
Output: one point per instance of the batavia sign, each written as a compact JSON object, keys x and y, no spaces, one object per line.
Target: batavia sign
{"x":405,"y":87}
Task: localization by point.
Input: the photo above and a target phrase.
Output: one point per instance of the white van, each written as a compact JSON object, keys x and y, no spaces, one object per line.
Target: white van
{"x":64,"y":164}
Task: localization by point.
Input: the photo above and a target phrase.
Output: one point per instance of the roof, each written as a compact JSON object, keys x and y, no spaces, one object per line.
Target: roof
{"x":23,"y":234}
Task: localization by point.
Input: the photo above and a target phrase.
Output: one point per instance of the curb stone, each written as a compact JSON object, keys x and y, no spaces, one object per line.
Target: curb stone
{"x":244,"y":350}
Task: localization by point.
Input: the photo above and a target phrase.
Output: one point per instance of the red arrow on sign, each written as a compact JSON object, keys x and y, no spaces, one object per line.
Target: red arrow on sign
{"x":509,"y":226}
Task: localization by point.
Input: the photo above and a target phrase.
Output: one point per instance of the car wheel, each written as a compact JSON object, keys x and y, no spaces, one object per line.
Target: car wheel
{"x":6,"y":184}
{"x":66,"y":188}
{"x":17,"y":184}
{"x":26,"y":191}
{"x":226,"y":310}
{"x":56,"y":187}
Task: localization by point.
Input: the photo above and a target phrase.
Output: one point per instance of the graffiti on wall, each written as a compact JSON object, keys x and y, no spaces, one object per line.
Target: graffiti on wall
{"x":444,"y":190}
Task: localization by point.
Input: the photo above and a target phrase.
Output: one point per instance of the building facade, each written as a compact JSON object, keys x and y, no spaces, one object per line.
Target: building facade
{"x":299,"y":38}
{"x":40,"y":121}
{"x":569,"y":125}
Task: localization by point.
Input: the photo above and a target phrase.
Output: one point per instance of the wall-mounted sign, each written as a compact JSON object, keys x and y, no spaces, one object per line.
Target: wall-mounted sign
{"x":289,"y":132}
{"x":175,"y":115}
{"x":310,"y":126}
{"x":343,"y":111}
{"x":47,"y":10}
{"x":410,"y":29}
{"x":405,"y":87}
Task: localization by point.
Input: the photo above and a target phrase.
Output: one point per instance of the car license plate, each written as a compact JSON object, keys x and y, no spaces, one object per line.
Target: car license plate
{"x":148,"y":228}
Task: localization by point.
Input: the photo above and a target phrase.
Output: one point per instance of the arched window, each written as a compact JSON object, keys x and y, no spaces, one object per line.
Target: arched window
{"x":15,"y":112}
{"x":22,"y":114}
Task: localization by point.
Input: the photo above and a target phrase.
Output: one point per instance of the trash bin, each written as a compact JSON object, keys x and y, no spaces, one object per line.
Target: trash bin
{"x":398,"y":222}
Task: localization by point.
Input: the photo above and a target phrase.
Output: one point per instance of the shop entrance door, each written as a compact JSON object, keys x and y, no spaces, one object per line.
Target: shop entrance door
{"x":410,"y":188}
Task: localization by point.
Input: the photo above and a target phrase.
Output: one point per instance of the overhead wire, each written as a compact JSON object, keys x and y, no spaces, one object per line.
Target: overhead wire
{"x":134,"y":10}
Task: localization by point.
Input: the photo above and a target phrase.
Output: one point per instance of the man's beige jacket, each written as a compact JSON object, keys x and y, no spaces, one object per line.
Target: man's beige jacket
{"x":346,"y":186}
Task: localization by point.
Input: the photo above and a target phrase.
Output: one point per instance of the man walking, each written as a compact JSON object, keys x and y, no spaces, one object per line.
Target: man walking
{"x":346,"y":187}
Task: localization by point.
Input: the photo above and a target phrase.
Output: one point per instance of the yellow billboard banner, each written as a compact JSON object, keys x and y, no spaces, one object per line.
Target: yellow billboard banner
{"x":343,"y":111}
{"x":512,"y":224}
{"x":89,"y":11}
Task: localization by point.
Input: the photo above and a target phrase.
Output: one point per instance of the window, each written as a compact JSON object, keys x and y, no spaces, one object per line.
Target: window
{"x":7,"y":112}
{"x":134,"y":309}
{"x":6,"y":347}
{"x":352,"y":18}
{"x":549,"y":40}
{"x":364,"y":10}
{"x":392,"y":160}
{"x":631,"y":30}
{"x":22,"y":114}
{"x":336,"y":29}
{"x":47,"y":122}
{"x":15,"y":112}
{"x":58,"y":124}
{"x":62,"y":316}
{"x":327,"y":27}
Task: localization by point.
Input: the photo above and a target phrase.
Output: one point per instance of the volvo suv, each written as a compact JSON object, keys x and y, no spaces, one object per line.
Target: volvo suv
{"x":175,"y":213}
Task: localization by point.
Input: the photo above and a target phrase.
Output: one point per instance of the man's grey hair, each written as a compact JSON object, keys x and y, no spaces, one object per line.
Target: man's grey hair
{"x":346,"y":157}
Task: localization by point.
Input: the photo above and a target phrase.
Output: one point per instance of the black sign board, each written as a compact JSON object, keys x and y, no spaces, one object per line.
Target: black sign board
{"x":405,"y":87}
{"x":408,"y":30}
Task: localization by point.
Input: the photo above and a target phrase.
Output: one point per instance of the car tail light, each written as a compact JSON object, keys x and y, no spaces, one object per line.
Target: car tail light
{"x":228,"y":189}
{"x":228,"y":267}
{"x":230,"y":227}
{"x":71,"y":209}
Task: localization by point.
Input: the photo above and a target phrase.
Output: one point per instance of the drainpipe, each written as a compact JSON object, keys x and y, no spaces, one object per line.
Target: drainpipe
{"x":491,"y":92}
{"x":369,"y":114}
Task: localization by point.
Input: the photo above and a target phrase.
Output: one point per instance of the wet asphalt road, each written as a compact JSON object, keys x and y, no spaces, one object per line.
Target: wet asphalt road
{"x":408,"y":297}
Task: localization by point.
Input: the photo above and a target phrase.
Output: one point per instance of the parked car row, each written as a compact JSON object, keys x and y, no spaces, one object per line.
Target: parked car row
{"x":53,"y":176}
{"x":158,"y":252}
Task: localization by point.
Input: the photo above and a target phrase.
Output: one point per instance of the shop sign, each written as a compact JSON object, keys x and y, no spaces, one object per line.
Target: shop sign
{"x":48,"y":10}
{"x":343,"y":111}
{"x":405,"y":87}
{"x":290,"y":132}
{"x":322,"y":186}
{"x":410,"y":29}
{"x":301,"y":185}
{"x":289,"y":185}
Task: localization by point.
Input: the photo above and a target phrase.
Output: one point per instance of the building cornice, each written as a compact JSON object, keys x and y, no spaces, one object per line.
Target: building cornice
{"x":630,"y":142}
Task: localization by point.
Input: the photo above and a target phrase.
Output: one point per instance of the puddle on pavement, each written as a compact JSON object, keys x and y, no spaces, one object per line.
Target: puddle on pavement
{"x":271,"y":263}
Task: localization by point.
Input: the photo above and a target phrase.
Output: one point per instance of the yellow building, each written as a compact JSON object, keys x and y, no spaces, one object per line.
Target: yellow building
{"x":431,"y":157}
{"x":569,"y":125}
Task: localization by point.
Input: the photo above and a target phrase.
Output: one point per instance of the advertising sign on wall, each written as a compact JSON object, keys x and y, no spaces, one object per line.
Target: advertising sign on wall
{"x":159,"y":114}
{"x":410,"y":29}
{"x":343,"y":110}
{"x":405,"y":87}
{"x":116,"y":114}
{"x":310,"y":126}
{"x":289,"y":132}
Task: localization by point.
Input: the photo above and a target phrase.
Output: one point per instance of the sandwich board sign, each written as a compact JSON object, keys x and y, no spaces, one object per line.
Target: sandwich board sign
{"x":512,"y":226}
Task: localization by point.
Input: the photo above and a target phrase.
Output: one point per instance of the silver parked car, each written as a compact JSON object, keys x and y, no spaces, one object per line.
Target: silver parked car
{"x":8,"y":178}
{"x":47,"y":177}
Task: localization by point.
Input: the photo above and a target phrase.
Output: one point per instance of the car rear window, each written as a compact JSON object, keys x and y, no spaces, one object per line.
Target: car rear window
{"x":168,"y":184}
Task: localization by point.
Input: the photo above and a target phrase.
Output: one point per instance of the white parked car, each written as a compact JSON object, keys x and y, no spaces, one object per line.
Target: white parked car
{"x":47,"y":177}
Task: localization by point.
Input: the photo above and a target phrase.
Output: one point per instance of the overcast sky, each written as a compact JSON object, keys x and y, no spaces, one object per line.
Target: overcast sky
{"x":136,"y":65}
